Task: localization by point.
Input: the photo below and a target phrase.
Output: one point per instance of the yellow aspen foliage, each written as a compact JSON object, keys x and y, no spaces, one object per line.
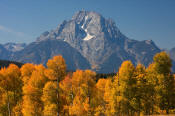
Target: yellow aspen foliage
{"x":126,"y":70}
{"x":77,"y":80}
{"x":151,"y":75}
{"x":51,"y":75}
{"x":128,"y":87}
{"x":162,"y":63}
{"x":67,"y":92}
{"x":100,"y":102}
{"x":56,"y":71}
{"x":150,"y":98}
{"x":141,"y":88}
{"x":49,"y":99}
{"x":107,"y":92}
{"x":116,"y":97}
{"x":29,"y":106}
{"x":26,"y":72}
{"x":3,"y":107}
{"x":101,"y":85}
{"x":18,"y":109}
{"x":10,"y":79}
{"x":83,"y":86}
{"x":38,"y":79}
{"x":66,"y":84}
{"x":108,"y":98}
{"x":166,"y":86}
{"x":11,"y":84}
{"x":99,"y":111}
{"x":77,"y":108}
{"x":32,"y":90}
{"x":57,"y":68}
{"x":50,"y":110}
{"x":82,"y":77}
{"x":86,"y":105}
{"x":49,"y":92}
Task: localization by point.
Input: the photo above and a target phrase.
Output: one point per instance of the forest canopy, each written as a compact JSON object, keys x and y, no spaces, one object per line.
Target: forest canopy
{"x":36,"y":90}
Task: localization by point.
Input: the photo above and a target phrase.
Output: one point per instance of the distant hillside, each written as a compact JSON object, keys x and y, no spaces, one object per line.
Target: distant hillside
{"x":5,"y":63}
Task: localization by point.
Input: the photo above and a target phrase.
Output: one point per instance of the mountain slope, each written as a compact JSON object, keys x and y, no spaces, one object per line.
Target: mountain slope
{"x":88,"y":41}
{"x":101,"y":42}
{"x":4,"y":53}
{"x":40,"y":52}
{"x":172,"y":55}
{"x":13,"y":47}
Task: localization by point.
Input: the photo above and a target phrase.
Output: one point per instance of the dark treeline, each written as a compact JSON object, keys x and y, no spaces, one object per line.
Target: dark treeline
{"x":6,"y":63}
{"x":36,"y":90}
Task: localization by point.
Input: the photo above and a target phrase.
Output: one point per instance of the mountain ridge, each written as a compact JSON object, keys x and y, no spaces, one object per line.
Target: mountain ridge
{"x":96,"y":41}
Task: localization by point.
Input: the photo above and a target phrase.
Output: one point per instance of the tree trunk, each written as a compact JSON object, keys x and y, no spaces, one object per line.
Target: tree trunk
{"x":167,"y":111}
{"x":57,"y":97}
{"x":8,"y":105}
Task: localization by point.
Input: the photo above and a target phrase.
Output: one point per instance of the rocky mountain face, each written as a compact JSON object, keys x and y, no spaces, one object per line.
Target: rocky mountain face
{"x":7,"y":50}
{"x":88,"y":41}
{"x":172,"y":55}
{"x":40,"y":52}
{"x":4,"y":53}
{"x":13,"y":47}
{"x":101,"y":42}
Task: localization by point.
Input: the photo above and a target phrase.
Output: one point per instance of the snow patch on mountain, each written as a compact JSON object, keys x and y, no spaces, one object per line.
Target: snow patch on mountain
{"x":88,"y":36}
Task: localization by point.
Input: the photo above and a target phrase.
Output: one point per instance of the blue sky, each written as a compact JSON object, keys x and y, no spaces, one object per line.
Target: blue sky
{"x":24,"y":20}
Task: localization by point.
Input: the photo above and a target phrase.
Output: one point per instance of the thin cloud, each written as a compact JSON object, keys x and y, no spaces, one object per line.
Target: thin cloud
{"x":11,"y":31}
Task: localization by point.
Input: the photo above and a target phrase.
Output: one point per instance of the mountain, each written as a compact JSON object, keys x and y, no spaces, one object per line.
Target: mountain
{"x":4,"y":53}
{"x":13,"y":47}
{"x":172,"y":55}
{"x":40,"y":52}
{"x":88,"y":41}
{"x":101,"y":42}
{"x":7,"y":50}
